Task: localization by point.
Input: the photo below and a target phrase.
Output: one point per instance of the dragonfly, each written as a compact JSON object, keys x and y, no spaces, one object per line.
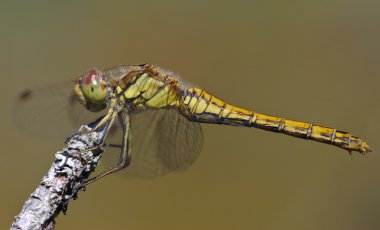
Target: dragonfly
{"x":160,"y":116}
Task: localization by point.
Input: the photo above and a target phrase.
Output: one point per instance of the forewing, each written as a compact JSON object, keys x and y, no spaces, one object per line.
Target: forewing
{"x":50,"y":111}
{"x":162,"y":141}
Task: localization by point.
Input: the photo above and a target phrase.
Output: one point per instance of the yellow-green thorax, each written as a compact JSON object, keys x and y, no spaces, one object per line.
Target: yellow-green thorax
{"x":148,"y":88}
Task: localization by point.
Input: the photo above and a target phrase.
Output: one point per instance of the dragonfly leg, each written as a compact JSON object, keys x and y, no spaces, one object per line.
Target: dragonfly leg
{"x":121,"y":121}
{"x":125,"y":156}
{"x":123,"y":161}
{"x":109,"y":116}
{"x":106,"y":121}
{"x":107,"y":127}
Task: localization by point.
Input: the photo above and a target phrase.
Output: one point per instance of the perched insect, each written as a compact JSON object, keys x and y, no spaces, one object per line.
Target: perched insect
{"x":163,"y":117}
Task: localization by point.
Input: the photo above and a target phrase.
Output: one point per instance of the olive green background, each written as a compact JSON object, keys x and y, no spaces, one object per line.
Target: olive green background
{"x":315,"y":61}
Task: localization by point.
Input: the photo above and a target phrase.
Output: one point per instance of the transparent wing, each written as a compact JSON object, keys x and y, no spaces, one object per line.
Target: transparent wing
{"x":162,"y":141}
{"x":50,"y":111}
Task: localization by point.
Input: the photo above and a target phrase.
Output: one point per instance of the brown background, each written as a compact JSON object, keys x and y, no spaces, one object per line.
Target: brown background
{"x":315,"y":61}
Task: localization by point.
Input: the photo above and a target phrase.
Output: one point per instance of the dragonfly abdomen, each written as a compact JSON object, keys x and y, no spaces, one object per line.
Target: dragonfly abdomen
{"x":201,"y":106}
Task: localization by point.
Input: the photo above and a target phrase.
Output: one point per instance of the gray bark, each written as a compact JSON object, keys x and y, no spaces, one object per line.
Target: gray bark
{"x":71,"y":167}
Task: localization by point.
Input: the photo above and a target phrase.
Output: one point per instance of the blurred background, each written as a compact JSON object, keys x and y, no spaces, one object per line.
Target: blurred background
{"x":315,"y":61}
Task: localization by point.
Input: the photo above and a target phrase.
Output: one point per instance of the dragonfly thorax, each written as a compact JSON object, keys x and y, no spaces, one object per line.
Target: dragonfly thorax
{"x":147,"y":86}
{"x":91,"y":90}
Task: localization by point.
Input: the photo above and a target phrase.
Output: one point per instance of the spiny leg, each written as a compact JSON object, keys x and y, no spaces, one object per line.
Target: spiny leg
{"x":102,"y":141}
{"x":82,"y":185}
{"x":121,"y":121}
{"x":125,"y":157}
{"x":110,"y":123}
{"x":75,"y":189}
{"x":110,"y":115}
{"x":101,"y":122}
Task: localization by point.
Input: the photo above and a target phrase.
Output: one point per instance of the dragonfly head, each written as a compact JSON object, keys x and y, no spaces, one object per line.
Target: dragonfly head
{"x":91,"y":90}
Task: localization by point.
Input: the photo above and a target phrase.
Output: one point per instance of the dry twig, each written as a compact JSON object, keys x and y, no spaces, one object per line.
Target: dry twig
{"x":71,"y":167}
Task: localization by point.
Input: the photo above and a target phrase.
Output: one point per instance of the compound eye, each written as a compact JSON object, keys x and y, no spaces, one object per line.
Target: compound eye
{"x":91,"y":77}
{"x":94,"y":86}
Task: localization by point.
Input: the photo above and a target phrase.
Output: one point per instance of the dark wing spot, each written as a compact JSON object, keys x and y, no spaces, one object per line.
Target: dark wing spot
{"x":25,"y":95}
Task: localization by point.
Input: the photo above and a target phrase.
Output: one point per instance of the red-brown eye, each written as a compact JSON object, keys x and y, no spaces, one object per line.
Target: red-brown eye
{"x":90,"y":77}
{"x":94,"y":89}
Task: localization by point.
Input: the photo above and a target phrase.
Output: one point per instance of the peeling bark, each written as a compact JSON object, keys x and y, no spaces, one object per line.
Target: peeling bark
{"x":72,"y":166}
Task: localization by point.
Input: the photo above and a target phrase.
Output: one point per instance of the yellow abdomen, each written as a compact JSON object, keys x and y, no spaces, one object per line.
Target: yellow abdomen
{"x":201,"y":106}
